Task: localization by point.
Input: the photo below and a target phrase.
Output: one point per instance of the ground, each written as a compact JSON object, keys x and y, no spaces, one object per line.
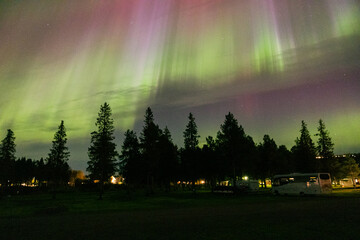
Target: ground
{"x":181,"y":215}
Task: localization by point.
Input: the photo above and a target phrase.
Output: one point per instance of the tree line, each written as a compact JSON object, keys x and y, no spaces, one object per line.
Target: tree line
{"x":154,"y":160}
{"x":151,"y":160}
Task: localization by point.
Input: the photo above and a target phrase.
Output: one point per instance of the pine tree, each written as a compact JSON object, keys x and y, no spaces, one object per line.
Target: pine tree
{"x":304,"y":151}
{"x":268,"y":155}
{"x":284,"y":161}
{"x":232,"y":141}
{"x":189,"y":155}
{"x":213,"y":168}
{"x":102,"y":151}
{"x":40,"y":171}
{"x":191,"y":137}
{"x":149,"y":139}
{"x":56,"y":162}
{"x":325,"y":149}
{"x":130,"y":160}
{"x":7,"y":158}
{"x":24,"y":171}
{"x":167,"y":159}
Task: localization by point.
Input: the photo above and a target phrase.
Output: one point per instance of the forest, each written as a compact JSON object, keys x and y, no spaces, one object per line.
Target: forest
{"x":152,"y":161}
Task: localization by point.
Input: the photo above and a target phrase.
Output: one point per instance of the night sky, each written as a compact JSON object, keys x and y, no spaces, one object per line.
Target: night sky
{"x":272,"y":63}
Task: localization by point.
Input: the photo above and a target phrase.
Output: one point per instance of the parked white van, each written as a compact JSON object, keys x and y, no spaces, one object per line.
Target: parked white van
{"x":302,"y":183}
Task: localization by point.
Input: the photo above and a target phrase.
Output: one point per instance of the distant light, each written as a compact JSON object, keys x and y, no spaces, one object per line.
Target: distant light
{"x":202,"y":182}
{"x":113,"y":180}
{"x":245,"y":178}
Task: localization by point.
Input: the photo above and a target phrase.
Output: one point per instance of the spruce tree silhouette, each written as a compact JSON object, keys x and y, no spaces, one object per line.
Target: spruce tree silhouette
{"x":40,"y":171}
{"x":56,"y":162}
{"x":24,"y":170}
{"x":325,"y":149}
{"x":190,"y":153}
{"x":213,"y":168}
{"x":102,"y":152}
{"x":268,"y":156}
{"x":304,"y":151}
{"x":168,"y":159}
{"x":232,"y":140}
{"x":7,"y":158}
{"x":130,"y":160}
{"x":149,"y":139}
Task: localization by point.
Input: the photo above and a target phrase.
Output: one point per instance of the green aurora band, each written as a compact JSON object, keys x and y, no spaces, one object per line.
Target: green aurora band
{"x":271,"y":63}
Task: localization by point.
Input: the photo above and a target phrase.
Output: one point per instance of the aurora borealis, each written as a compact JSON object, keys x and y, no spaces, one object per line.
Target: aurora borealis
{"x":272,"y":63}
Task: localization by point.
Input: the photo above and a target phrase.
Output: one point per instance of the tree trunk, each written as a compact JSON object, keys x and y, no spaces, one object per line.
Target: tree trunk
{"x":265,"y":182}
{"x":354,"y":183}
{"x":193,"y":186}
{"x":234,"y":175}
{"x":212,"y":184}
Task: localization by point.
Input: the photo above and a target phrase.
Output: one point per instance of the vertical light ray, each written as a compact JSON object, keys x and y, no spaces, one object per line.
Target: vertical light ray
{"x":267,"y":49}
{"x":346,"y":18}
{"x":59,"y":60}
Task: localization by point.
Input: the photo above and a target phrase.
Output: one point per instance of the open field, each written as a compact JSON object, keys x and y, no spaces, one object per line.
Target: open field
{"x":181,"y":215}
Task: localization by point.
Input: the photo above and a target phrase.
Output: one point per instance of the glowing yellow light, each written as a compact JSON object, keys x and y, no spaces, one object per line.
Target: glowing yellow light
{"x":113,"y":180}
{"x":202,"y":182}
{"x":246,"y":178}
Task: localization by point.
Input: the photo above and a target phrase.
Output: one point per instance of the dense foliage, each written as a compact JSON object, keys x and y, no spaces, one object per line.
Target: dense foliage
{"x":102,"y":151}
{"x":7,"y":158}
{"x":153,"y":160}
{"x":57,"y":166}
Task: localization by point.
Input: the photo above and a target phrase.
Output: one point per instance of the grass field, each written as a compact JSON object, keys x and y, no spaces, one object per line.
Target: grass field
{"x":180,"y":215}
